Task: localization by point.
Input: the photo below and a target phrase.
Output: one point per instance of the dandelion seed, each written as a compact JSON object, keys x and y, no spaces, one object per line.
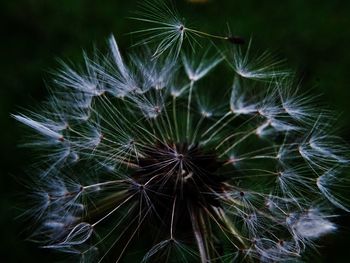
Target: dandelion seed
{"x":169,"y":31}
{"x":262,"y":67}
{"x":172,"y":30}
{"x":41,"y":128}
{"x":197,"y":69}
{"x":312,"y":225}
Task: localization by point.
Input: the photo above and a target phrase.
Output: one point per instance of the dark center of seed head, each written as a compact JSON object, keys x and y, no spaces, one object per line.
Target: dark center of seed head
{"x":179,"y":156}
{"x":191,"y":174}
{"x":178,"y":178}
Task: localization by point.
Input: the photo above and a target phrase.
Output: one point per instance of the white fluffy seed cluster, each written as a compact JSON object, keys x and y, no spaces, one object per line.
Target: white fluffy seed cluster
{"x":282,"y":162}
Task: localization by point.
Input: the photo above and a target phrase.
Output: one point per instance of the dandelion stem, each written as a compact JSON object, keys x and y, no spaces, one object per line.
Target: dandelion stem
{"x":168,"y":123}
{"x":103,"y":184}
{"x":236,"y":143}
{"x":126,"y":229}
{"x":158,"y":126}
{"x":197,"y":129}
{"x":175,"y":119}
{"x":198,"y":236}
{"x":127,"y":163}
{"x":218,"y":130}
{"x":111,"y":212}
{"x":230,"y":226}
{"x":217,"y":123}
{"x":189,"y":110}
{"x":132,"y":236}
{"x":172,"y":220}
{"x":206,"y":34}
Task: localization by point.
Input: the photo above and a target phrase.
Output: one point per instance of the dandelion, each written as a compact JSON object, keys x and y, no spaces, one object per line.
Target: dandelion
{"x":140,"y":162}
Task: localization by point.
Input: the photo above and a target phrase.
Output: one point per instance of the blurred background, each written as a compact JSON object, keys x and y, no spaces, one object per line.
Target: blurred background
{"x":313,"y":36}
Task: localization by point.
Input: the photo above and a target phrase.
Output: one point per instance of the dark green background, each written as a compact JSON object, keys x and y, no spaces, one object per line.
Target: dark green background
{"x":312,"y":35}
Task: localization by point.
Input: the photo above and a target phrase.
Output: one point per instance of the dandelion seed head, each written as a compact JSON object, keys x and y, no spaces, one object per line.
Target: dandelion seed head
{"x":138,"y":147}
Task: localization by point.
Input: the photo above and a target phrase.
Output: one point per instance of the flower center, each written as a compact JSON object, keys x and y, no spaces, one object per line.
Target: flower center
{"x":184,"y":171}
